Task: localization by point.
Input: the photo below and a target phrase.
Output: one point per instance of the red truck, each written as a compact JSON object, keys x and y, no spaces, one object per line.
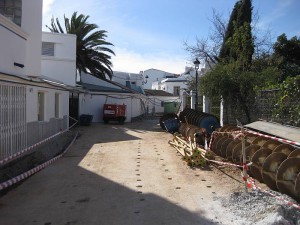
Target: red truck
{"x":114,"y":113}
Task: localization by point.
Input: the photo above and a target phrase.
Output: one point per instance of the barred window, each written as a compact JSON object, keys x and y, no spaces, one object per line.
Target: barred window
{"x":12,"y":9}
{"x":48,"y":48}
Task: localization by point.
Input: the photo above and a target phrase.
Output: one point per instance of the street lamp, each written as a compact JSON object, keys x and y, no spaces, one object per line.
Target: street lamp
{"x":196,"y":63}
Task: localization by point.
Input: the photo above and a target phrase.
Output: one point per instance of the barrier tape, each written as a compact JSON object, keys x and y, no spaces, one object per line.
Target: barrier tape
{"x":213,"y":134}
{"x":22,"y":152}
{"x":274,"y":138}
{"x":224,"y":163}
{"x":251,"y":184}
{"x":28,"y":173}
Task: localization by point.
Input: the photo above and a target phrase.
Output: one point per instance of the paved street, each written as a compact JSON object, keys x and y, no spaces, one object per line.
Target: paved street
{"x":119,"y":174}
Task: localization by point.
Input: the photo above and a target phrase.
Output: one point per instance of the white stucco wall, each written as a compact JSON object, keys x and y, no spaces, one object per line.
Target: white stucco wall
{"x":32,"y":24}
{"x":32,"y":103}
{"x":122,"y":77}
{"x":22,"y":44}
{"x":154,"y":75}
{"x":61,"y":66}
{"x":169,"y":86}
{"x":92,"y":104}
{"x":12,"y":47}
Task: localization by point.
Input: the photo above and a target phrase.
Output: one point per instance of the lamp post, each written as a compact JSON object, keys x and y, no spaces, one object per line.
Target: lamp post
{"x":196,"y":63}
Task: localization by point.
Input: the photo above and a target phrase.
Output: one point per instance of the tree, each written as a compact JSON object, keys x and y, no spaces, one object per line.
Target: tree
{"x":225,"y":49}
{"x":287,"y":56}
{"x":232,"y":77}
{"x":238,"y":41}
{"x":92,"y":52}
{"x":211,"y":49}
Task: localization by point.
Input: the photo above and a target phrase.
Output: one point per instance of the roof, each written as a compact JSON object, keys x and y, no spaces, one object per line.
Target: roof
{"x":157,"y":92}
{"x":175,"y":79}
{"x":39,"y":81}
{"x":101,"y":85}
{"x":98,"y":88}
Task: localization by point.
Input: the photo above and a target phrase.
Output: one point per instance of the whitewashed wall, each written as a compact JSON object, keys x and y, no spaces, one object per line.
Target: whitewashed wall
{"x":154,"y":75}
{"x":61,"y":66}
{"x":32,"y":24}
{"x":22,"y":44}
{"x":32,"y":103}
{"x":169,"y":86}
{"x":122,"y":77}
{"x":92,"y":104}
{"x":12,"y":47}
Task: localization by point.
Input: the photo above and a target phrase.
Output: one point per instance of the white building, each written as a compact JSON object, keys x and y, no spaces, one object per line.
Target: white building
{"x":99,"y":92}
{"x":123,"y":78}
{"x":174,"y":86}
{"x":59,"y":57}
{"x":32,"y":107}
{"x":154,"y":75}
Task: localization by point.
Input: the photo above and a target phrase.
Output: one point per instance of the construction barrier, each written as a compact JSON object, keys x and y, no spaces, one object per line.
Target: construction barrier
{"x":28,"y":173}
{"x":28,"y":149}
{"x":249,"y":181}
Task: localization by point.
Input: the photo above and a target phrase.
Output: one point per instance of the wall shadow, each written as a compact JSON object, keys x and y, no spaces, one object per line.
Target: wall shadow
{"x":66,"y":193}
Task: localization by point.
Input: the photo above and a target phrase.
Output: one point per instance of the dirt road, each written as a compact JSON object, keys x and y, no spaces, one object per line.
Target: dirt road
{"x":120,"y":174}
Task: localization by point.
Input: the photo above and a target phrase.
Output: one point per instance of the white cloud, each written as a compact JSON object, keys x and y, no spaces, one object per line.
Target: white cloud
{"x":129,"y":61}
{"x":279,"y":11}
{"x":47,"y":5}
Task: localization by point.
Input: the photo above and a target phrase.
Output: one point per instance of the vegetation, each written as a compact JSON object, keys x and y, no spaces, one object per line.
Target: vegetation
{"x":93,"y":54}
{"x":288,"y":102}
{"x":241,"y":68}
{"x":286,"y":56}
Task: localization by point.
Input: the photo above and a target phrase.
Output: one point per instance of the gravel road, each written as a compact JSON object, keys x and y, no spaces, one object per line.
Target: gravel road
{"x":129,"y":175}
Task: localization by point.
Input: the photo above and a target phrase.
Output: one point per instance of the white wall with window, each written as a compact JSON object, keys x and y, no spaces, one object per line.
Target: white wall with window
{"x":21,"y":32}
{"x":12,"y":9}
{"x":46,"y":103}
{"x":155,"y":75}
{"x":123,"y":77}
{"x":173,"y":85}
{"x":59,"y":57}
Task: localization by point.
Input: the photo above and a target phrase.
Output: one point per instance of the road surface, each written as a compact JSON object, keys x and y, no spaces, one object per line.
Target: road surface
{"x":124,"y":175}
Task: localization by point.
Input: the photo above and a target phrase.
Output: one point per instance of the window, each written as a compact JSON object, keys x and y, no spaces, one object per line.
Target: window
{"x":48,"y":48}
{"x":41,"y":106}
{"x":56,"y":105}
{"x":176,"y":91}
{"x":12,"y":9}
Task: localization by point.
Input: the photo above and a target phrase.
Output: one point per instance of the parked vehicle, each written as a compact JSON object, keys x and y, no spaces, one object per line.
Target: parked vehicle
{"x":114,"y":113}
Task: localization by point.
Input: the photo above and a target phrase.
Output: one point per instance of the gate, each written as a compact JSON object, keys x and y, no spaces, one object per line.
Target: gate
{"x":13,"y":130}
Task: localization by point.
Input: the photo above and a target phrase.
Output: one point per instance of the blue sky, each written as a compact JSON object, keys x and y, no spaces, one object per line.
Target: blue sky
{"x":150,"y":33}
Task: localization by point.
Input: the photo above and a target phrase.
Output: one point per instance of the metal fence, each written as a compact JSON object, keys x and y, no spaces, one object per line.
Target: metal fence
{"x":13,"y":130}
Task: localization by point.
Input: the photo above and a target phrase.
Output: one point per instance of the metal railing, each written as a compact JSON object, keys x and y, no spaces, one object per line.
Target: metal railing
{"x":13,"y":128}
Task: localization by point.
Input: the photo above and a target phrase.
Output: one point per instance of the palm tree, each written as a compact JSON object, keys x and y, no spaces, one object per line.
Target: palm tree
{"x":92,"y":53}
